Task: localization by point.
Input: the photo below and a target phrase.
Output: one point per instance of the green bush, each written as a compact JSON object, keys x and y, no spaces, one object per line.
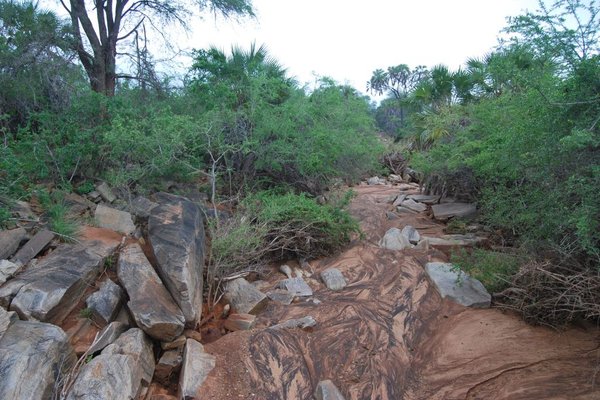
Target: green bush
{"x":492,"y":268}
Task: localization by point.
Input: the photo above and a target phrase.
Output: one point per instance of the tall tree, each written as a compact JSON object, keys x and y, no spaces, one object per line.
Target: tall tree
{"x":99,"y":26}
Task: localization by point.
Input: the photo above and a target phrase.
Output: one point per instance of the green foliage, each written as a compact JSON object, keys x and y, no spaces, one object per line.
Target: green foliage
{"x":492,"y":268}
{"x":57,"y":214}
{"x":4,"y":216}
{"x":86,"y":313}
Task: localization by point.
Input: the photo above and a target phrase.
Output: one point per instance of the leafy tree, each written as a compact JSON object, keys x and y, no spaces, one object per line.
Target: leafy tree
{"x":99,"y":26}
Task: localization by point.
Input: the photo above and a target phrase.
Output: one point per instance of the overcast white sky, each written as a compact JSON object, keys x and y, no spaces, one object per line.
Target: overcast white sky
{"x":348,"y":39}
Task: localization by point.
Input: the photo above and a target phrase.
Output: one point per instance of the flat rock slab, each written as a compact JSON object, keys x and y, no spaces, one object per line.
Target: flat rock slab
{"x":197,"y":364}
{"x":404,"y":210}
{"x":32,"y":356}
{"x":240,"y":322}
{"x":50,"y":289}
{"x":333,"y":279}
{"x":326,"y":390}
{"x":304,"y":322}
{"x":33,"y":247}
{"x":394,"y":240}
{"x":452,"y":210}
{"x":151,"y":305}
{"x":281,"y":296}
{"x":414,"y":206}
{"x":113,"y":219}
{"x":424,"y":198}
{"x":105,"y":303}
{"x":106,"y":192}
{"x":399,"y":200}
{"x":296,"y":286}
{"x":10,"y":240}
{"x":176,"y":234}
{"x":244,"y":297}
{"x":458,"y":286}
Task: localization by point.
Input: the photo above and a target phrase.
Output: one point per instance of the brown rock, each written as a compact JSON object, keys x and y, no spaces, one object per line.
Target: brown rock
{"x":9,"y":241}
{"x":33,"y":247}
{"x":240,"y":322}
{"x":244,"y":297}
{"x":168,"y":365}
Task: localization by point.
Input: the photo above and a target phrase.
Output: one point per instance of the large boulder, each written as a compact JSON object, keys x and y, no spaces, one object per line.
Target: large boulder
{"x":196,"y":366}
{"x":452,"y":210}
{"x":10,"y":240}
{"x":151,"y":305}
{"x":123,"y":370}
{"x":457,"y":285}
{"x":395,"y":240}
{"x":176,"y":233}
{"x":49,"y":290}
{"x":244,"y":298}
{"x":33,"y":355}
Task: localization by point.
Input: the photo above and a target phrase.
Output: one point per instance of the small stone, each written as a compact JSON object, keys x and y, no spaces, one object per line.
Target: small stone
{"x":305,"y":322}
{"x":179,"y":342}
{"x":374,"y":181}
{"x":94,"y":196}
{"x":106,"y":336}
{"x":281,"y":296}
{"x":245,"y":298}
{"x":413,"y":205}
{"x":240,"y":322}
{"x":394,"y":240}
{"x":35,"y":245}
{"x":333,"y":279}
{"x":195,"y":369}
{"x":299,"y":273}
{"x":168,"y":365}
{"x":326,"y":390}
{"x":116,"y":220}
{"x":286,"y":270}
{"x":10,"y":240}
{"x":411,"y":234}
{"x":106,"y":192}
{"x":192,"y":334}
{"x":105,"y":303}
{"x":296,"y":286}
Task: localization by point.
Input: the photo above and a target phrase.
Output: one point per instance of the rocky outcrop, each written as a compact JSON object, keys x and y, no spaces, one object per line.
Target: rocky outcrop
{"x":196,"y":366}
{"x":105,"y":303}
{"x":116,"y":220}
{"x":49,"y":290}
{"x":457,"y":285}
{"x":326,"y":390}
{"x":244,"y":297}
{"x":150,"y":303}
{"x":333,"y":279}
{"x":176,"y":233}
{"x":446,"y":211}
{"x":33,"y":355}
{"x":10,"y":240}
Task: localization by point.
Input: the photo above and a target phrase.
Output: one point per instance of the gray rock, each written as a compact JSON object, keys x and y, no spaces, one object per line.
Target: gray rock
{"x":424,"y":198}
{"x":31,"y":249}
{"x":106,"y":377}
{"x":176,"y":233}
{"x":168,"y":365}
{"x":6,"y":319}
{"x":105,"y":303}
{"x":49,"y":290}
{"x":141,"y":207}
{"x":32,"y":356}
{"x":326,"y":390}
{"x":10,"y":240}
{"x":281,"y":296}
{"x":454,"y":240}
{"x":7,"y":270}
{"x":195,"y":369}
{"x":411,"y":234}
{"x":374,"y":181}
{"x":305,"y":322}
{"x":296,"y":286}
{"x":116,"y":220}
{"x":458,"y":286}
{"x":94,"y":196}
{"x":108,"y":335}
{"x":451,"y":210}
{"x":105,"y":192}
{"x":244,"y":297}
{"x":399,"y":199}
{"x":150,"y":303}
{"x":286,"y":270}
{"x":333,"y":279}
{"x":394,"y":240}
{"x":240,"y":322}
{"x":414,"y":206}
{"x":390,"y":215}
{"x":136,"y":344}
{"x":178,"y":343}
{"x":404,"y":210}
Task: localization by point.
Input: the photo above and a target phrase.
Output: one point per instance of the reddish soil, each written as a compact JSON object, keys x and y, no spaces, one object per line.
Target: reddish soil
{"x":389,"y":335}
